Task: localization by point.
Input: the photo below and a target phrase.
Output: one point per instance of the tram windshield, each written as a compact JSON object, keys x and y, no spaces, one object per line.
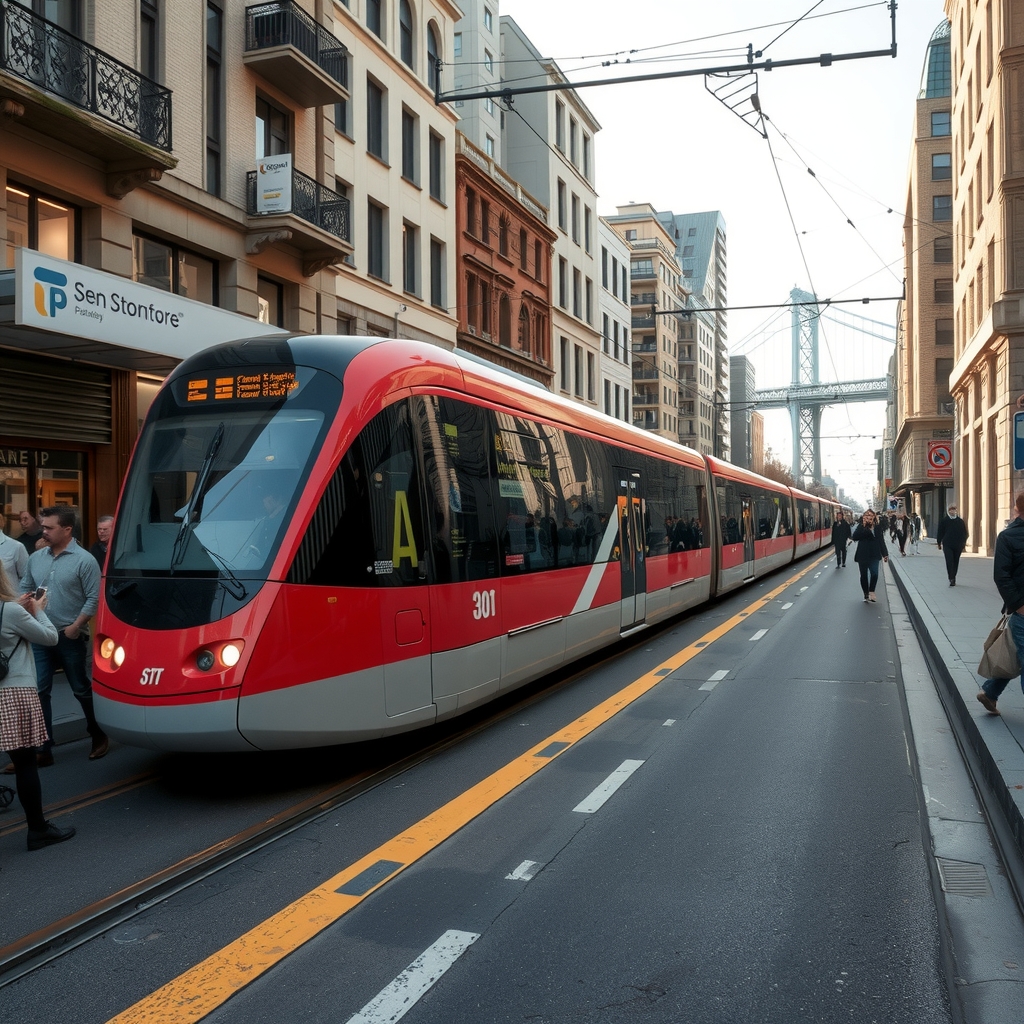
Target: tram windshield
{"x":212,"y":486}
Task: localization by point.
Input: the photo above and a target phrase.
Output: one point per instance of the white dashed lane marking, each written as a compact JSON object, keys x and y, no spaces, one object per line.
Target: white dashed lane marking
{"x":524,"y":872}
{"x":757,"y":636}
{"x":395,"y":1001}
{"x":714,"y":680}
{"x":788,"y":604}
{"x":597,"y":799}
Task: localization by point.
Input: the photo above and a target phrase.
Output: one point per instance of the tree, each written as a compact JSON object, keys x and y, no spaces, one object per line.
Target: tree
{"x":775,"y":470}
{"x":821,"y":491}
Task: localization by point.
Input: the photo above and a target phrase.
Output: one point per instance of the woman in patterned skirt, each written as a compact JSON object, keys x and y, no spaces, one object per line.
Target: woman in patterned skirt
{"x":23,"y":622}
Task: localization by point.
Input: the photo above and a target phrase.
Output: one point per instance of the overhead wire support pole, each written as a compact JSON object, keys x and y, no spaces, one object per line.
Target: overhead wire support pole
{"x":822,"y":59}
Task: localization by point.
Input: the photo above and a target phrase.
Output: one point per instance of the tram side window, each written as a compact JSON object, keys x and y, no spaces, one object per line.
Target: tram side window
{"x":373,"y":510}
{"x":826,"y":517}
{"x":582,"y":496}
{"x":683,"y":509}
{"x":807,"y":511}
{"x":769,"y":515}
{"x":456,"y":438}
{"x":730,"y":511}
{"x":525,"y":499}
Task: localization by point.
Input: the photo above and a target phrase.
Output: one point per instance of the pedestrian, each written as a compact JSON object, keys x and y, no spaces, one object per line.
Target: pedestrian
{"x":31,"y":531}
{"x":841,"y":534}
{"x":1008,"y":574}
{"x":71,"y":577}
{"x":915,"y":537}
{"x":902,"y":528}
{"x":871,"y":549}
{"x":953,"y":533}
{"x":104,"y":528}
{"x":13,"y":557}
{"x":23,"y":622}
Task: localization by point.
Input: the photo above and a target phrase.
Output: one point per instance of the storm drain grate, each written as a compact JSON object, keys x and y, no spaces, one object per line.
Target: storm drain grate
{"x":962,"y":878}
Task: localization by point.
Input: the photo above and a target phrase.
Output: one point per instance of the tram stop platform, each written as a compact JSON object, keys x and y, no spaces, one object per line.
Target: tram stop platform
{"x":951,"y":622}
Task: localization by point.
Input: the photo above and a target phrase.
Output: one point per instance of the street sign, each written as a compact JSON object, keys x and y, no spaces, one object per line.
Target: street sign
{"x":1018,"y":440}
{"x":940,"y":459}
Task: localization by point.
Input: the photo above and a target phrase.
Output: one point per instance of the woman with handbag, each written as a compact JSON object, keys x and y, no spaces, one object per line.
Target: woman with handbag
{"x":23,"y":622}
{"x":871,"y":549}
{"x":1008,"y":573}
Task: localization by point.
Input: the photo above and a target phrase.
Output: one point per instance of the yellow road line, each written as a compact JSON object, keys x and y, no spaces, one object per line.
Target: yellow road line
{"x":211,"y":983}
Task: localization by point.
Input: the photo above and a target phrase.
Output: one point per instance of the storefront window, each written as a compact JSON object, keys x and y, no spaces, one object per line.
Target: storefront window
{"x":35,"y":221}
{"x":35,"y":478}
{"x":269,"y":296}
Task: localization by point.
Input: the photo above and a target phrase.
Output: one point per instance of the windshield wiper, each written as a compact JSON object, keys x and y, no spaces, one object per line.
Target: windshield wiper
{"x":233,"y":585}
{"x":181,"y":541}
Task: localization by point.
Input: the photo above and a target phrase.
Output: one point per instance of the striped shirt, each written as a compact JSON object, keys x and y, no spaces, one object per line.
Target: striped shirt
{"x":72,"y":581}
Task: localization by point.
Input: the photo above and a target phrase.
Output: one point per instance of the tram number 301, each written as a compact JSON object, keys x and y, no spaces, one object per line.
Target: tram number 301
{"x":484,"y":605}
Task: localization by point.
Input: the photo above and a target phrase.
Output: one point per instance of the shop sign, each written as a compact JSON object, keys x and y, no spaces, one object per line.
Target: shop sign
{"x":940,"y":460}
{"x":40,"y":458}
{"x":67,"y":298}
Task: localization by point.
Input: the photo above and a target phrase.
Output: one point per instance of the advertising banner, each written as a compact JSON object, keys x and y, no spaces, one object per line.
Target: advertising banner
{"x":274,"y":184}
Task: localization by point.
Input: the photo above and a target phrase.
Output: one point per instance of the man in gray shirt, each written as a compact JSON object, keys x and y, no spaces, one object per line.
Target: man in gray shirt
{"x":72,"y":580}
{"x":14,"y":558}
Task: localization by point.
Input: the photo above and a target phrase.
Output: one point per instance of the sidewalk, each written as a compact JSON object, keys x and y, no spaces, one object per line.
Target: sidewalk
{"x":953,"y":622}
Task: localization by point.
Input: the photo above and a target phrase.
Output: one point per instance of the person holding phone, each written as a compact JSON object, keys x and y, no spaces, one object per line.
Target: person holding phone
{"x":71,"y":578}
{"x":23,"y":623}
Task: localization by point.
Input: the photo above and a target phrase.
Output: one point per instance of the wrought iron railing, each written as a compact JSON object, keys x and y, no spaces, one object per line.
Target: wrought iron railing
{"x":284,"y":23}
{"x":45,"y":55}
{"x":315,"y":203}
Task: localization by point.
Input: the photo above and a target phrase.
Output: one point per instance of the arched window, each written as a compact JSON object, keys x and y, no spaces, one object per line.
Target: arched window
{"x":405,"y":32}
{"x":505,"y":322}
{"x":541,"y":336}
{"x":433,"y":53}
{"x":524,"y":329}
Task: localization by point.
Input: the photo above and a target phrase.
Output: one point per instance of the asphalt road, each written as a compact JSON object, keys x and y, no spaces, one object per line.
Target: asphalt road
{"x":744,"y":842}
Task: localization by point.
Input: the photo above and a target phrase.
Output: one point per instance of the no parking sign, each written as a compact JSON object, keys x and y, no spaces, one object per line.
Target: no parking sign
{"x":940,"y":459}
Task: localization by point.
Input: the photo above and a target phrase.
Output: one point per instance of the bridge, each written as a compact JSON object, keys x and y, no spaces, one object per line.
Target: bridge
{"x":807,"y":394}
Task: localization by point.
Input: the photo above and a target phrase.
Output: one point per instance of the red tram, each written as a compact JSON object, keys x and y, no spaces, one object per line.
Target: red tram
{"x":322,"y":540}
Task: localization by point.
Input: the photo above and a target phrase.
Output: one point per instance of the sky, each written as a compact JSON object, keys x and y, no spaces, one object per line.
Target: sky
{"x":836,"y":232}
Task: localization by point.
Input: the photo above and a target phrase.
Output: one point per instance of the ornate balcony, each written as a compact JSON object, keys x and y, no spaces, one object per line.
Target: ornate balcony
{"x":56,"y":84}
{"x":318,"y":224}
{"x":284,"y":45}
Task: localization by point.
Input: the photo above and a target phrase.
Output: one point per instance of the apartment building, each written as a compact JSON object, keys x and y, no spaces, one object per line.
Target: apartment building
{"x":175,"y":175}
{"x":987,"y":59}
{"x":656,"y":294}
{"x":503,"y":255}
{"x":742,"y":385}
{"x":616,"y":366}
{"x":923,"y":421}
{"x":477,"y":57}
{"x":700,"y":244}
{"x":548,"y":147}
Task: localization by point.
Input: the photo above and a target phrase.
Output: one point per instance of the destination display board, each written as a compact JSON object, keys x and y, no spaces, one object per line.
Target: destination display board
{"x":238,"y":387}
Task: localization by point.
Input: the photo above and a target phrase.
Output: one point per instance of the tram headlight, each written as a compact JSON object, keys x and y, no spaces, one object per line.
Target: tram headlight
{"x":118,"y":656}
{"x":205,"y":660}
{"x":230,"y":653}
{"x":107,"y":648}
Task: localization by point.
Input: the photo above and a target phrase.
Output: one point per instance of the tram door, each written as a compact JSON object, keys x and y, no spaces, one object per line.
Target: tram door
{"x":748,"y":535}
{"x":632,"y":548}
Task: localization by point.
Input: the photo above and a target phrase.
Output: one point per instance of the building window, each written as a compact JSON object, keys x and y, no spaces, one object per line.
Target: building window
{"x":604,"y":267}
{"x":588,"y":228}
{"x":169,"y":267}
{"x":214,"y":97}
{"x":942,"y":251}
{"x":485,"y":222}
{"x":577,"y":296}
{"x":436,"y":157}
{"x":561,"y":205}
{"x":488,"y":61}
{"x":943,"y":289}
{"x":538,"y":260}
{"x":944,"y":331}
{"x":576,"y":218}
{"x":273,"y":130}
{"x":504,"y":322}
{"x":574,"y":131}
{"x":503,"y":235}
{"x":586,"y":156}
{"x":523,"y":244}
{"x":410,"y":258}
{"x":471,"y":212}
{"x":410,"y":147}
{"x":563,"y":283}
{"x":489,"y":146}
{"x":433,"y":56}
{"x":563,"y":363}
{"x":437,"y":297}
{"x":591,"y":382}
{"x":691,"y":233}
{"x":942,"y":207}
{"x":35,"y":221}
{"x":524,"y":329}
{"x":375,"y":17}
{"x":457,"y":48}
{"x":376,"y":240}
{"x":376,"y":120}
{"x":270,"y":299}
{"x":149,"y":37}
{"x":345,"y":191}
{"x":342,"y":118}
{"x":560,"y":125}
{"x":942,"y":166}
{"x":578,"y":371}
{"x":488,"y":20}
{"x":944,"y":403}
{"x":405,"y":32}
{"x":589,"y":304}
{"x":940,"y":123}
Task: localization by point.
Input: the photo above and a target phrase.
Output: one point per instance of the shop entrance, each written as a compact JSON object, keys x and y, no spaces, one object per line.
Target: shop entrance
{"x":35,"y":478}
